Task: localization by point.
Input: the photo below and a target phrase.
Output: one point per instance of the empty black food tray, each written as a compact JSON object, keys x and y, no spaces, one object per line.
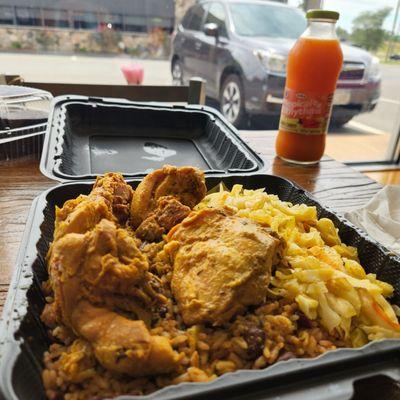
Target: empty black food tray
{"x":90,"y":136}
{"x":23,"y":337}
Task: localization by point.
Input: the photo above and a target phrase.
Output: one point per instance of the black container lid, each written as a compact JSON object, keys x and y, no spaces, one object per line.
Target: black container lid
{"x":90,"y":136}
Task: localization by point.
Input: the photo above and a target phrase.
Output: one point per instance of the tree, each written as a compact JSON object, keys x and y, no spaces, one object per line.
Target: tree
{"x":181,"y":6}
{"x":306,"y":5}
{"x":367,"y":28}
{"x":342,"y":34}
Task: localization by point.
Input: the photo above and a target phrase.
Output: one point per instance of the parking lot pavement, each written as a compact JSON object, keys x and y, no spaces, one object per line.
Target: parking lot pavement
{"x":352,"y":143}
{"x":383,"y":117}
{"x":366,"y":137}
{"x":80,"y":69}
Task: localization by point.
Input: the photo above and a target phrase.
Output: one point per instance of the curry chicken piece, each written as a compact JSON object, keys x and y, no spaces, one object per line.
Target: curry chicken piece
{"x":95,"y":269}
{"x":123,"y":345}
{"x":169,"y":212}
{"x":185,"y":184}
{"x":222,"y":264}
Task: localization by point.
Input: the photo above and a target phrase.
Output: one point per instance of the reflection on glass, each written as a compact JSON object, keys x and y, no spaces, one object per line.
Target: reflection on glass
{"x":6,"y":15}
{"x":56,"y":18}
{"x":267,"y":21}
{"x":366,"y":111}
{"x":85,"y":20}
{"x":28,"y":16}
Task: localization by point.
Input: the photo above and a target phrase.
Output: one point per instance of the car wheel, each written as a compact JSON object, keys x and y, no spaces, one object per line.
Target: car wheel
{"x":177,"y":73}
{"x":338,"y":122}
{"x":232,"y":101}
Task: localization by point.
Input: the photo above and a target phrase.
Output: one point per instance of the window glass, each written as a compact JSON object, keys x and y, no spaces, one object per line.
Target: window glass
{"x":85,"y":20}
{"x":216,"y":15}
{"x":135,"y":24}
{"x":28,"y":16}
{"x":56,"y":18}
{"x":159,"y":22}
{"x":186,"y":19}
{"x":6,"y":15}
{"x":113,"y":21}
{"x":365,"y":123}
{"x":114,"y":29}
{"x":197,"y":18}
{"x":267,"y":20}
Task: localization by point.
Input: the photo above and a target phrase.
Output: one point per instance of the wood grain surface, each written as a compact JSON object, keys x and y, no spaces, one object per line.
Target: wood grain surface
{"x":385,"y":177}
{"x":334,"y":184}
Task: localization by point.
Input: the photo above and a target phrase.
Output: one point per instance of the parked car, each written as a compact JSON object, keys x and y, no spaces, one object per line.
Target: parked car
{"x":240,"y":48}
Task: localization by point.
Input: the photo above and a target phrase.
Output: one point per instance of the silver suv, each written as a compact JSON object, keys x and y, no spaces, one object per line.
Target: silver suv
{"x":240,"y":48}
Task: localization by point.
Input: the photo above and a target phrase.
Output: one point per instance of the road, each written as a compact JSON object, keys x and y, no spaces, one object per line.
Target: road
{"x":365,"y":137}
{"x":80,"y":69}
{"x":382,"y":118}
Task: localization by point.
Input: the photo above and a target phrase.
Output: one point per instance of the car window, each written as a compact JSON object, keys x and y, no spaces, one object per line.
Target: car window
{"x":267,"y":20}
{"x":216,"y":14}
{"x":196,"y":20}
{"x":186,"y":19}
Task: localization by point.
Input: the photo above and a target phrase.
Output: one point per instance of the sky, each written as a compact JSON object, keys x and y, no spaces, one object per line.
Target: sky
{"x":350,"y":9}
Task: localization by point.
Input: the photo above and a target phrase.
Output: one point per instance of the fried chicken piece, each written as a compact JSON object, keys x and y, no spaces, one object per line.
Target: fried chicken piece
{"x":96,"y":269}
{"x":169,"y":212}
{"x":80,"y":215}
{"x":123,"y":345}
{"x":222,"y":264}
{"x":110,"y":198}
{"x":186,"y":184}
{"x":107,"y":262}
{"x":117,"y":193}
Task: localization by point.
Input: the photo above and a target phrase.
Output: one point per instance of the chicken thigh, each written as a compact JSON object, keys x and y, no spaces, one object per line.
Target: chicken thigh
{"x":222,"y":264}
{"x":96,"y":270}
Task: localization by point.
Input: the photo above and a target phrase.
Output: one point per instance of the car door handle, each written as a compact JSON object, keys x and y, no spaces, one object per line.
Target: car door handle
{"x":197,"y":45}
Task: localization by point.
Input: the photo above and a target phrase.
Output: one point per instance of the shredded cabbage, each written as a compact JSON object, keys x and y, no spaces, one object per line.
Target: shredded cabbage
{"x":317,"y":271}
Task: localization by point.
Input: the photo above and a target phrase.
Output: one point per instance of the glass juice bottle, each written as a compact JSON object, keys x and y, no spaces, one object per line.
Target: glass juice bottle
{"x":313,"y":67}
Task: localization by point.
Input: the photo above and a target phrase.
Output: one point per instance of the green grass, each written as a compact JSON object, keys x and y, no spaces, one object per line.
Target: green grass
{"x":381,"y":52}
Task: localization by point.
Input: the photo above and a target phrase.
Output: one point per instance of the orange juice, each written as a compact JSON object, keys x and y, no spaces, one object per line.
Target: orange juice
{"x":313,"y":67}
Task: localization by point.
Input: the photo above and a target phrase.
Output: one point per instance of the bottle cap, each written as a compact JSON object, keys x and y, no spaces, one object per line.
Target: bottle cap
{"x":322,"y":14}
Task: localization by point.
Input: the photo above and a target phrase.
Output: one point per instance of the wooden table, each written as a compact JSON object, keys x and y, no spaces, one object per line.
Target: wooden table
{"x":333,"y":183}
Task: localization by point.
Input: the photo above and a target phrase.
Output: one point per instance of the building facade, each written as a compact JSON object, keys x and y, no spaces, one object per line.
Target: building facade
{"x":140,"y":16}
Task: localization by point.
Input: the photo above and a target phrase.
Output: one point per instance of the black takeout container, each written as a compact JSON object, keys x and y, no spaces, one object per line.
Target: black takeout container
{"x":23,"y":337}
{"x":89,"y":136}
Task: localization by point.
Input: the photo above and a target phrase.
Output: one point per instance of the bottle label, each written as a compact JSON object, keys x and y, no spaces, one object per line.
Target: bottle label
{"x":305,"y":113}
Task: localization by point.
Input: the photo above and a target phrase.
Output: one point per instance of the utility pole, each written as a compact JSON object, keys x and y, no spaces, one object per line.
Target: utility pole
{"x":391,"y":39}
